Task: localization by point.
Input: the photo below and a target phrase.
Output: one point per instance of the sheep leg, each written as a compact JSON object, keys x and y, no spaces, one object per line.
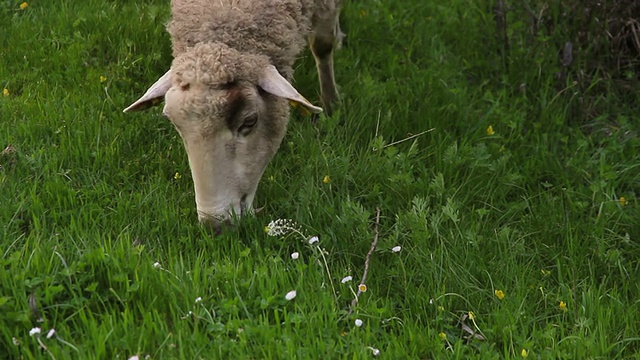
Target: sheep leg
{"x":323,"y":41}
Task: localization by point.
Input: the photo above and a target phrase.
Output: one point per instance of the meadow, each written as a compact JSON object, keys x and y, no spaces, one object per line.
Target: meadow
{"x":499,"y":183}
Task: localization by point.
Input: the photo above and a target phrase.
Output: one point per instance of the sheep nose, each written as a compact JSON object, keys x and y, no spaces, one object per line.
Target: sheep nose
{"x":214,"y":223}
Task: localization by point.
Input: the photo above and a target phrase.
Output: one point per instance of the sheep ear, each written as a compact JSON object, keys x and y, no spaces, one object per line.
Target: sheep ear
{"x":274,"y":83}
{"x":154,"y":95}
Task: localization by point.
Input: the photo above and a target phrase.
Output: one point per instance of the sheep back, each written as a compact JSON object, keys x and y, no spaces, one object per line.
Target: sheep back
{"x":274,"y":28}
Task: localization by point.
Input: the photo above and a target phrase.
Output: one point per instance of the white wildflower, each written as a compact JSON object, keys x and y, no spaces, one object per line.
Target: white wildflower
{"x":396,"y":249}
{"x":291,"y":295}
{"x":346,"y":279}
{"x":280,"y":227}
{"x":313,"y":240}
{"x":51,"y":333}
{"x":16,"y":342}
{"x":295,"y":255}
{"x":35,"y":330}
{"x":198,"y":299}
{"x":187,"y":315}
{"x":374,"y":351}
{"x":358,"y":322}
{"x":156,"y":265}
{"x":134,"y":357}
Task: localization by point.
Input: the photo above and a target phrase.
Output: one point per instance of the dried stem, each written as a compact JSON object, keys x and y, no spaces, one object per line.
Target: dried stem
{"x":367,"y":260}
{"x":42,"y":345}
{"x":408,"y":138}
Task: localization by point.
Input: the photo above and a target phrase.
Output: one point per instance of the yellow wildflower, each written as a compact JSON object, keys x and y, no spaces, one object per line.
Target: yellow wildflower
{"x":362,"y":287}
{"x":623,"y":201}
{"x":24,"y":5}
{"x":177,"y":176}
{"x":271,"y":178}
{"x":5,"y":92}
{"x":103,"y":78}
{"x":442,"y":336}
{"x":499,"y":294}
{"x":524,"y":353}
{"x":326,"y":179}
{"x":563,"y":306}
{"x":441,"y":308}
{"x":490,"y":130}
{"x":472,"y":316}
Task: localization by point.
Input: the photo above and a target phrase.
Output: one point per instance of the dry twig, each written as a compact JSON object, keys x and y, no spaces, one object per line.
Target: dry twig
{"x":367,"y":260}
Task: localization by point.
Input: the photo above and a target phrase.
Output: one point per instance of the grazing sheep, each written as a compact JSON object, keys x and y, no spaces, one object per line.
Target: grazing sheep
{"x":228,"y":91}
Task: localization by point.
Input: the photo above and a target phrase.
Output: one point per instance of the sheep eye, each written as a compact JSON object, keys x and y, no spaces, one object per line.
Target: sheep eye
{"x":248,"y":124}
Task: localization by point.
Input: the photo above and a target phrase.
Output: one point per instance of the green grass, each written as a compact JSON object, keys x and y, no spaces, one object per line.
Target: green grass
{"x":89,"y":200}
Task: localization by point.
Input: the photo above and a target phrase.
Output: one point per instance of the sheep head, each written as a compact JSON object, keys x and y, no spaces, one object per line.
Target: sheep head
{"x":231,"y":110}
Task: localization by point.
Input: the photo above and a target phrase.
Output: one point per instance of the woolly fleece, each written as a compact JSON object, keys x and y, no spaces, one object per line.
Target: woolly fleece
{"x":276,"y":29}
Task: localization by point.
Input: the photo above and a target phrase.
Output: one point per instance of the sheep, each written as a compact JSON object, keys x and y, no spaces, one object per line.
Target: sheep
{"x":228,"y":89}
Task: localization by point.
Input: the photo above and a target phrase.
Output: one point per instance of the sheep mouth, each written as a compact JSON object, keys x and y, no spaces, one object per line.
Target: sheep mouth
{"x":244,"y":207}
